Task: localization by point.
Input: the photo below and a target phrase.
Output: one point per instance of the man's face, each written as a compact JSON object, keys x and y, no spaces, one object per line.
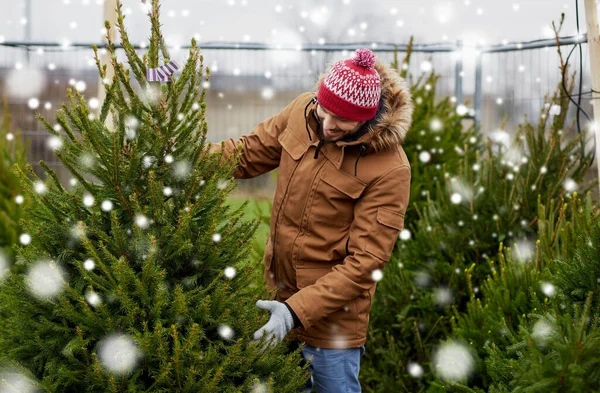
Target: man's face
{"x":334,"y":127}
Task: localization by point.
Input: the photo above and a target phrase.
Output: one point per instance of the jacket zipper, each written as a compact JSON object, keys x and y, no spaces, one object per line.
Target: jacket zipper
{"x":283,"y":202}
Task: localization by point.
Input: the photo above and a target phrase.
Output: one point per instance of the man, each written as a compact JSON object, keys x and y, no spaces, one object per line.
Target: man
{"x":342,"y":191}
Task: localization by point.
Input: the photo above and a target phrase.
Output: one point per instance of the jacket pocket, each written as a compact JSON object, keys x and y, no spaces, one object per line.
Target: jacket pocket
{"x":291,"y":144}
{"x":384,"y":233}
{"x":336,"y":194}
{"x":324,"y":240}
{"x":293,"y":149}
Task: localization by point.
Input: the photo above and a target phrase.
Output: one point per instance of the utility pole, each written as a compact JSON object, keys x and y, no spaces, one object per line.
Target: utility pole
{"x":110,"y":14}
{"x":27,"y":26}
{"x":593,"y":39}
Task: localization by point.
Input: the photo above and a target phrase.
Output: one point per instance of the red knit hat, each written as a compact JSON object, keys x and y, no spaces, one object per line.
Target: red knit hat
{"x":351,"y":89}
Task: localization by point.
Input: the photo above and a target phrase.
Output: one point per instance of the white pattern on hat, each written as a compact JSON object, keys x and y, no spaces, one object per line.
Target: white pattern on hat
{"x":346,"y":83}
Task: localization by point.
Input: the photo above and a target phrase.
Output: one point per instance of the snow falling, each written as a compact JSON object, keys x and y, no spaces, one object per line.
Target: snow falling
{"x":151,"y":95}
{"x":141,"y":221}
{"x":25,"y":239}
{"x":453,"y":361}
{"x":436,"y":125}
{"x":268,"y":93}
{"x":25,"y":83}
{"x":131,"y":126}
{"x":148,"y":161}
{"x":222,"y":184}
{"x":88,"y":200}
{"x":554,"y":109}
{"x":13,"y":381}
{"x":39,"y":187}
{"x":422,"y":279}
{"x":456,"y":198}
{"x":415,"y":370}
{"x":78,"y":232}
{"x":54,"y":143}
{"x":443,"y":296}
{"x":226,"y":332}
{"x":93,"y":103}
{"x":230,"y":272}
{"x":4,"y":265}
{"x":119,"y":354}
{"x":462,"y":110}
{"x":405,"y":234}
{"x":461,"y":191}
{"x":106,"y":206}
{"x":499,"y":137}
{"x":260,"y":387}
{"x":426,"y":66}
{"x":548,"y":289}
{"x":377,"y":275}
{"x":523,"y":250}
{"x":33,"y":103}
{"x":45,"y":279}
{"x":93,"y":298}
{"x":570,"y":185}
{"x":87,"y":160}
{"x":89,"y":264}
{"x":181,"y":170}
{"x":542,"y":331}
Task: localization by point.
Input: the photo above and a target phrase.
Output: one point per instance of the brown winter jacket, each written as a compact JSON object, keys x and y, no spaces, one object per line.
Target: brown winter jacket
{"x":337,"y":211}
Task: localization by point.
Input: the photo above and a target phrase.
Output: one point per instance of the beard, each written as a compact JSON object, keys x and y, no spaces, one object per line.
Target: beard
{"x":339,"y":135}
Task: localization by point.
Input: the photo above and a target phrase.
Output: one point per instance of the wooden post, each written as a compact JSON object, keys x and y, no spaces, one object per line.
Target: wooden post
{"x":593,"y":38}
{"x":110,"y":14}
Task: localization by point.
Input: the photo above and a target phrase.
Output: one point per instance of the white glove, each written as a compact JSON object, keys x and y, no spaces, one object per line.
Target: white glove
{"x":280,"y":323}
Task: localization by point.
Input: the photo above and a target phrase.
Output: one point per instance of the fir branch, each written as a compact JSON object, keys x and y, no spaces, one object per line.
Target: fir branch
{"x":96,"y":257}
{"x":75,"y":173}
{"x":53,"y":175}
{"x":61,"y":119}
{"x":133,"y":59}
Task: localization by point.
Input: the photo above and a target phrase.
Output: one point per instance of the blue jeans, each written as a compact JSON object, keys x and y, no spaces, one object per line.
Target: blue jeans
{"x":333,"y":370}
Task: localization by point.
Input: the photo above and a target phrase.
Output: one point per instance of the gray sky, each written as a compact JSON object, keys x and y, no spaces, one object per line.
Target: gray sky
{"x":284,"y":21}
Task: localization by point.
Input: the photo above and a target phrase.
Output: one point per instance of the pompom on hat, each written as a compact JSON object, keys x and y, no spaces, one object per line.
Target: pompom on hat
{"x":352,"y":88}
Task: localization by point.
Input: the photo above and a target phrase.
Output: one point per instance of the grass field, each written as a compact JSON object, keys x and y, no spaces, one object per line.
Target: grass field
{"x":256,"y":208}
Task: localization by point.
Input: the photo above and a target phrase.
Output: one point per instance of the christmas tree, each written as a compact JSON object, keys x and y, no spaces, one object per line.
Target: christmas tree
{"x":12,"y":204}
{"x":483,"y":202}
{"x":438,"y":138}
{"x":137,"y":277}
{"x":532,"y":325}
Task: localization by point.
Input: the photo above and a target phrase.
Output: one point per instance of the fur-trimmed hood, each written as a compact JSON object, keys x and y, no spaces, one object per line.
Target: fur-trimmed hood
{"x":394,"y":117}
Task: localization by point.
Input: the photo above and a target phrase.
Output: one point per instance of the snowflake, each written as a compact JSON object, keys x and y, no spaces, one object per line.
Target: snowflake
{"x":415,"y":370}
{"x":377,"y":275}
{"x":45,"y":279}
{"x":453,"y":361}
{"x":230,"y":272}
{"x":119,"y":354}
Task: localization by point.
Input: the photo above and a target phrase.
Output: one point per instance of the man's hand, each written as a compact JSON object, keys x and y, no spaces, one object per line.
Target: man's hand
{"x":280,"y":323}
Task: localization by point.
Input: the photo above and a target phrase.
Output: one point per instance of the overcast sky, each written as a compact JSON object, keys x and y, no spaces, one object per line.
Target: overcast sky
{"x":297,"y":21}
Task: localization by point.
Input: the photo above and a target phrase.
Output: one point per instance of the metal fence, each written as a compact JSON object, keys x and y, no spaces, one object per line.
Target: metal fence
{"x":250,"y":82}
{"x":513,"y":79}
